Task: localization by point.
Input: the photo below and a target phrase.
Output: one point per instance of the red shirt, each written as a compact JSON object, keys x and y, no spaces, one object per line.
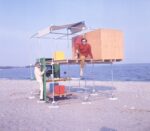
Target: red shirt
{"x":85,"y":50}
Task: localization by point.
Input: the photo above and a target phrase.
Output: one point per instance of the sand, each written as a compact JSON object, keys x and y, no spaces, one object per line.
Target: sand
{"x":129,"y":112}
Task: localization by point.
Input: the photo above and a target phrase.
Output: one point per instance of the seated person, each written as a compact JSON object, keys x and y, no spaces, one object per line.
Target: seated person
{"x":83,"y":51}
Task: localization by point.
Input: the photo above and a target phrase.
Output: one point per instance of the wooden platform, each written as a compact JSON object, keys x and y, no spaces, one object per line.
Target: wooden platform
{"x":58,"y":79}
{"x":77,"y":61}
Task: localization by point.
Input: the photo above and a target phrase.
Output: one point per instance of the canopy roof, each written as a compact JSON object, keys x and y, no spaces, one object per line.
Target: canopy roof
{"x":69,"y":29}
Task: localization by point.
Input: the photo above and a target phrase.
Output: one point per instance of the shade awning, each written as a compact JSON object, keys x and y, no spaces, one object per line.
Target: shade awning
{"x":70,"y":29}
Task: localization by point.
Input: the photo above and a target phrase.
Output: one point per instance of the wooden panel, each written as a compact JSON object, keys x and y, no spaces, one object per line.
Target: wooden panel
{"x":94,"y":39}
{"x":106,"y":44}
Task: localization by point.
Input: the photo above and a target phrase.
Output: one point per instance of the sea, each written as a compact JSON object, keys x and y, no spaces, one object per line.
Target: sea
{"x":101,"y":72}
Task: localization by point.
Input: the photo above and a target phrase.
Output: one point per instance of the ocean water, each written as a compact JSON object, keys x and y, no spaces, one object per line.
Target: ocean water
{"x":103,"y":72}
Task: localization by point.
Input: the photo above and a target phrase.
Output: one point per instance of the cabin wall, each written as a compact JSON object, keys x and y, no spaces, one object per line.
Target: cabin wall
{"x":106,"y":44}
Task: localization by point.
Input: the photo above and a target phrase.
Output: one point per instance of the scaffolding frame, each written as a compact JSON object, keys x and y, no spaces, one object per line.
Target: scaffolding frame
{"x":71,"y":30}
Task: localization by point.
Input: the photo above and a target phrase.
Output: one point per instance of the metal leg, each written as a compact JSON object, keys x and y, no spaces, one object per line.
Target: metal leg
{"x":69,"y":77}
{"x":93,"y":82}
{"x":53,"y":82}
{"x":112,"y":75}
{"x":42,"y":60}
{"x":112,"y":84}
{"x":68,"y":58}
{"x":53,"y":104}
{"x":86,"y":93}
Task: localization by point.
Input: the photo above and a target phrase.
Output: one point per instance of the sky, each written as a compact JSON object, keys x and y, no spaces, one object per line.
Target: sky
{"x":20,"y":19}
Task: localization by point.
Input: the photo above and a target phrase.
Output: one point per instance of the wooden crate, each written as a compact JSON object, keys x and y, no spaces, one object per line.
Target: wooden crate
{"x":106,"y":44}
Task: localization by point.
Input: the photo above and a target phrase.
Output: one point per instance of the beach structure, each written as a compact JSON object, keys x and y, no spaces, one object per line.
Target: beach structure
{"x":106,"y":46}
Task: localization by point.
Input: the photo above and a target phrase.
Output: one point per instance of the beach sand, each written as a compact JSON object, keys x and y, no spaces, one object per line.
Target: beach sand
{"x":130,"y":111}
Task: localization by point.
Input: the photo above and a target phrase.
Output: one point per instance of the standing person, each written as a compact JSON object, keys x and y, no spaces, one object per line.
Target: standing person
{"x":39,"y":77}
{"x":83,"y":51}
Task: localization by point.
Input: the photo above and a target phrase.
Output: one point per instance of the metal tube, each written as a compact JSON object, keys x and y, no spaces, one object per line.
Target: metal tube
{"x":53,"y":81}
{"x":93,"y":91}
{"x":68,"y":58}
{"x":112,"y":74}
{"x":42,"y":61}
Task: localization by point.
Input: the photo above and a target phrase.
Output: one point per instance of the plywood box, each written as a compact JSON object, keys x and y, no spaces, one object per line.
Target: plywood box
{"x":106,"y":44}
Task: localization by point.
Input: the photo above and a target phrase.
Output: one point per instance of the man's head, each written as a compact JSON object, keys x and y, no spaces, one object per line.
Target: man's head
{"x":83,"y":41}
{"x":37,"y":64}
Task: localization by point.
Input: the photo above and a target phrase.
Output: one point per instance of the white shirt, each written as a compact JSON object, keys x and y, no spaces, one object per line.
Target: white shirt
{"x":38,"y":74}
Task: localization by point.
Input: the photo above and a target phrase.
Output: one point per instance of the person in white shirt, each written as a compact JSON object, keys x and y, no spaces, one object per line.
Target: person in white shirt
{"x":39,"y":78}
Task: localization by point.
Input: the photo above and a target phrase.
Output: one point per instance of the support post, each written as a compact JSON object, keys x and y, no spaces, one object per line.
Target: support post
{"x":112,"y":74}
{"x":43,"y":67}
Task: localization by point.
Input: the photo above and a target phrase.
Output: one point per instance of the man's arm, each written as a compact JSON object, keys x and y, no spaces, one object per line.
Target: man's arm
{"x":77,"y":51}
{"x":38,"y":72}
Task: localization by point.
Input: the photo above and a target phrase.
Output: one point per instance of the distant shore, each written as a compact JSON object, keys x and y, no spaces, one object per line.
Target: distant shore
{"x":10,"y":67}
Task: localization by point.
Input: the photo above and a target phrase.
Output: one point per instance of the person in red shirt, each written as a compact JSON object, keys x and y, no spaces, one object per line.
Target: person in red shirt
{"x":83,"y":51}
